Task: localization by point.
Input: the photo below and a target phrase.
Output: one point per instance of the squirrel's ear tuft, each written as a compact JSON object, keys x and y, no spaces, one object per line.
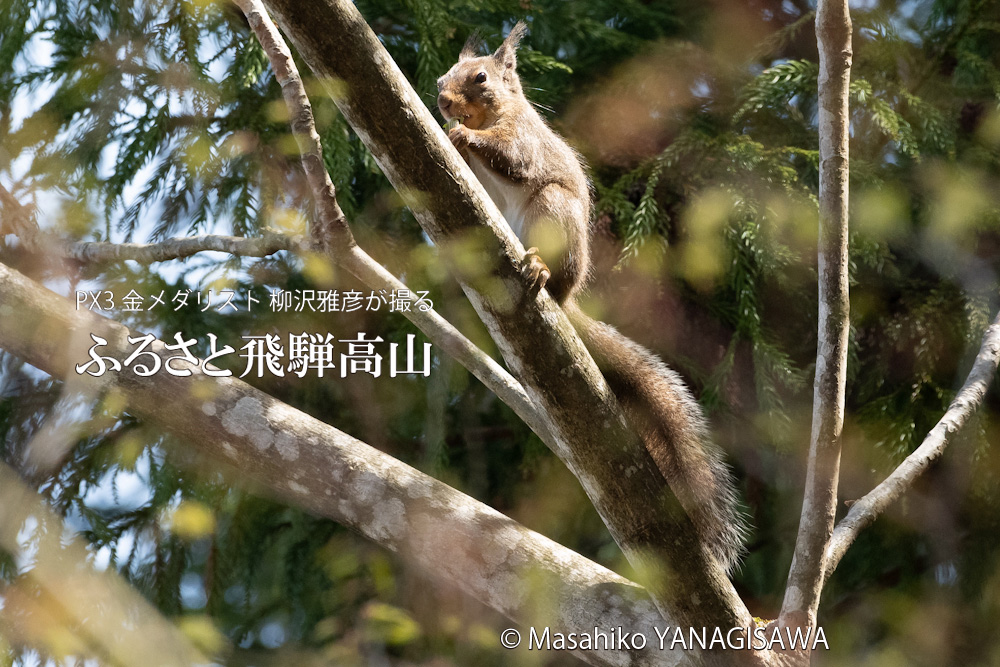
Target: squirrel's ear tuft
{"x":506,"y":55}
{"x":472,"y":47}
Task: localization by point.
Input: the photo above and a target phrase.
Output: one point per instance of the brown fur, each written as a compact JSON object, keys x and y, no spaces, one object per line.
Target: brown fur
{"x":534,"y":177}
{"x":538,"y":183}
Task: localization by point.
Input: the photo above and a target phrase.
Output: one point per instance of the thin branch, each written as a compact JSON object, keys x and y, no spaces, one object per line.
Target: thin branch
{"x":147,"y":253}
{"x":443,"y":334}
{"x":20,"y":221}
{"x":963,"y":406}
{"x":819,"y":506}
{"x":330,"y":233}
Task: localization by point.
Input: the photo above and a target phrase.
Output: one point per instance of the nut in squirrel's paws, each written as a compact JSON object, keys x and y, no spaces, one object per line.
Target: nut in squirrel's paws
{"x":535,"y":272}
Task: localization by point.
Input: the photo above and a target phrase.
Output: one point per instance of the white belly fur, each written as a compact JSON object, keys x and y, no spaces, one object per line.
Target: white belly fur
{"x":511,"y":199}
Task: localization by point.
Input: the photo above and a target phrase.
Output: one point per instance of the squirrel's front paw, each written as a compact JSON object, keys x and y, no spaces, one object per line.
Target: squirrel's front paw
{"x":535,"y":272}
{"x":460,"y":137}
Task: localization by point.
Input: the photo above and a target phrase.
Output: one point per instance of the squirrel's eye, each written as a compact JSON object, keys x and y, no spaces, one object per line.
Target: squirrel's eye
{"x":481,"y":77}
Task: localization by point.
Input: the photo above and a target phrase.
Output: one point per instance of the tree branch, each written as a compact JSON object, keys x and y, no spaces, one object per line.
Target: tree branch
{"x":537,"y":341}
{"x":453,"y":538}
{"x":147,"y":253}
{"x":968,"y":399}
{"x":330,"y":232}
{"x":819,"y":506}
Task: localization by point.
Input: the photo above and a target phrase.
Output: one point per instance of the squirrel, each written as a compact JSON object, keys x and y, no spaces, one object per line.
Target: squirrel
{"x":538,"y":182}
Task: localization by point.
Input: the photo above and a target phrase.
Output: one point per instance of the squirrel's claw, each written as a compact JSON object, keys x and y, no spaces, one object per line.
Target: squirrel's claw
{"x":535,"y":271}
{"x":459,"y":136}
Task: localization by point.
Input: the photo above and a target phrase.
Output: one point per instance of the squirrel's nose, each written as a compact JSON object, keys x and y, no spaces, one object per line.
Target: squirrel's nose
{"x":444,"y":102}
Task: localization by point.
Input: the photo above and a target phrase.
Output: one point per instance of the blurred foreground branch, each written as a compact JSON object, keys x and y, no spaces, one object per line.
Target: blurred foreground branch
{"x":62,"y":605}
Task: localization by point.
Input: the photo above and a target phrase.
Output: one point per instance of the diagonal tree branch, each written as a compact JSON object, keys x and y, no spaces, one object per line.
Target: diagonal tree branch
{"x":819,"y":506}
{"x":536,"y":339}
{"x":299,"y":459}
{"x":330,"y":232}
{"x":968,"y":399}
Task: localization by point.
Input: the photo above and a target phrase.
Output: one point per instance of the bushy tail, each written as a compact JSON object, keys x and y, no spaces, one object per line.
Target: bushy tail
{"x":669,"y":420}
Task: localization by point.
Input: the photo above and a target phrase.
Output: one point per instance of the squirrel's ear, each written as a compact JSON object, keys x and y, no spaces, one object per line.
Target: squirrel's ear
{"x":506,"y":55}
{"x":472,"y":46}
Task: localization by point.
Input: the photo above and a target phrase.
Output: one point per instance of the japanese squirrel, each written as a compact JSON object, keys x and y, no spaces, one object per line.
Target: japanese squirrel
{"x":538,"y":183}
